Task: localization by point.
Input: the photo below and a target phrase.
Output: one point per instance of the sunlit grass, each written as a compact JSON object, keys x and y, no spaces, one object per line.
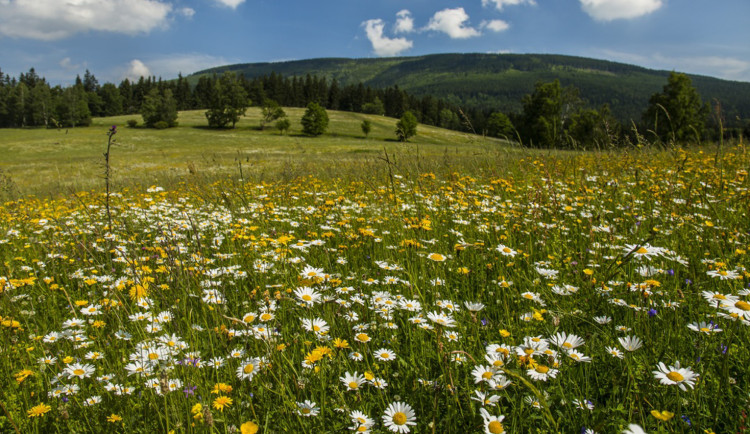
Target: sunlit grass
{"x":528,"y":292}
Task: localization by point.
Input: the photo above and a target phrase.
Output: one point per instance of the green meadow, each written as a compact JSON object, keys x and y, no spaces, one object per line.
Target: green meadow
{"x":248,"y":281}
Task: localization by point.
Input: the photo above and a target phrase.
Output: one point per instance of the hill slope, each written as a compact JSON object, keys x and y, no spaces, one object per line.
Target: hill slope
{"x":499,"y":81}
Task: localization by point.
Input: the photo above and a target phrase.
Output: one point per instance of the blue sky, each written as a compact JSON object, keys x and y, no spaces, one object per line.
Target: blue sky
{"x":115,"y":39}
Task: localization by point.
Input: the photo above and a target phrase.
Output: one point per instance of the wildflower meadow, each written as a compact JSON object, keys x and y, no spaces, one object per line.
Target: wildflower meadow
{"x":601,"y":292}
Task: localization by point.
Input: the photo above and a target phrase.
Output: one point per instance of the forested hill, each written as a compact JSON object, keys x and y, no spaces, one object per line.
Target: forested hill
{"x":497,"y":82}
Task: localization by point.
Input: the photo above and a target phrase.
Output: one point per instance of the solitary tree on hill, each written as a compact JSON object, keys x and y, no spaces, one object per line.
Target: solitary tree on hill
{"x":315,"y":120}
{"x":406,"y":127}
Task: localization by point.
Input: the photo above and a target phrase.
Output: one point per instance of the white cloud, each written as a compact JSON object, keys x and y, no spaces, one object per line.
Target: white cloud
{"x":57,"y":19}
{"x":68,"y":64}
{"x":187,"y":12}
{"x":452,"y":22}
{"x":382,"y":45}
{"x":136,"y":69}
{"x":230,"y":3}
{"x":404,"y":23}
{"x":495,"y":25}
{"x":499,"y":4}
{"x":608,"y":10}
{"x":729,"y":68}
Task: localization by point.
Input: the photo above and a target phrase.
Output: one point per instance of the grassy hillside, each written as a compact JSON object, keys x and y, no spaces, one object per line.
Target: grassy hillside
{"x":499,"y":81}
{"x":44,"y":161}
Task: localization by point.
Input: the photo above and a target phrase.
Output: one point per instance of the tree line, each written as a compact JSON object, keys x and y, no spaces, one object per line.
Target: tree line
{"x":551,"y":116}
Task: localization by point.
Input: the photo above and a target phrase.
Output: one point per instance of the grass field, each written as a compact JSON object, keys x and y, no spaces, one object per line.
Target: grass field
{"x":41,"y":161}
{"x":467,"y":287}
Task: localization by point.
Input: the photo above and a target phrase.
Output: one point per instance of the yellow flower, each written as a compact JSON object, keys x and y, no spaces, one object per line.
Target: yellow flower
{"x":340,"y":343}
{"x":113,"y":418}
{"x":222,"y":387}
{"x":22,"y":375}
{"x":221,"y":402}
{"x":663,"y":415}
{"x":39,"y":410}
{"x":249,"y":428}
{"x":504,"y":333}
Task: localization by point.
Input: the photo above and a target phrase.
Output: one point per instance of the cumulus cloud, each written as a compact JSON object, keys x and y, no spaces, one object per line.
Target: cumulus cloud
{"x":381,"y":44}
{"x":608,"y":10}
{"x":136,"y":69}
{"x":56,"y":19}
{"x":495,"y":25}
{"x":404,"y":22}
{"x":230,"y":3}
{"x":452,"y":22}
{"x":500,"y":4}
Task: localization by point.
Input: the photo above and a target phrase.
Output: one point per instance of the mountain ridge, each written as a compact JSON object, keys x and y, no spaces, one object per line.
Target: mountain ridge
{"x":497,"y":82}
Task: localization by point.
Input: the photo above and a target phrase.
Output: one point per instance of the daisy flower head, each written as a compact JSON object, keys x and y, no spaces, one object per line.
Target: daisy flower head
{"x":645,"y":251}
{"x":704,"y":327}
{"x":740,"y":308}
{"x":484,"y":373}
{"x":307,"y":295}
{"x":566,"y":342}
{"x":398,"y":417}
{"x":442,"y":319}
{"x":506,"y":251}
{"x":352,"y":381}
{"x":634,"y":429}
{"x":248,"y":368}
{"x":492,"y":424}
{"x":79,"y":370}
{"x":675,"y":375}
{"x":307,"y":408}
{"x":542,"y":372}
{"x":614,"y":352}
{"x":385,"y":355}
{"x":362,"y":422}
{"x":437,"y":257}
{"x":630,"y":343}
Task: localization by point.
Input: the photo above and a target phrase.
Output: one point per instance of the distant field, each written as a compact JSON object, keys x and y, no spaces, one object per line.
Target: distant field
{"x":48,"y":161}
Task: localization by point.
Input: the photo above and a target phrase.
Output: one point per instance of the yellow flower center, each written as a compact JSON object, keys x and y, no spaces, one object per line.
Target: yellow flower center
{"x":719,"y":296}
{"x":363,"y":337}
{"x":307,"y":297}
{"x":385,"y":356}
{"x":265,"y":316}
{"x":641,"y":251}
{"x":743,"y":305}
{"x":248,"y":368}
{"x":497,"y":363}
{"x":507,"y":250}
{"x":487,"y":375}
{"x":153,"y":356}
{"x":529,"y":351}
{"x":705,"y":329}
{"x":675,"y":376}
{"x":79,"y":372}
{"x":362,"y":428}
{"x":353,"y":385}
{"x":305,"y":410}
{"x":316,"y":328}
{"x":541,"y":369}
{"x":567,"y":345}
{"x":399,"y":418}
{"x":495,"y":427}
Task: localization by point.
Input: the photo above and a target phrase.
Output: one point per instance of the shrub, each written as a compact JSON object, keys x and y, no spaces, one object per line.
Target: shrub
{"x":315,"y":120}
{"x":161,"y":125}
{"x":132,"y":123}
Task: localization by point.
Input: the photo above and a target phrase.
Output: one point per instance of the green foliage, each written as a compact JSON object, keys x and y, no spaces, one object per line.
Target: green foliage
{"x":270,"y":112}
{"x":283,"y":125}
{"x":499,"y":125}
{"x":227,"y":101}
{"x":315,"y":120}
{"x":132,"y":123}
{"x":677,"y":114}
{"x":449,"y":119}
{"x":366,"y":126}
{"x":544,"y":113}
{"x":159,"y":107}
{"x":406,"y":127}
{"x":589,"y":129}
{"x":374,"y":108}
